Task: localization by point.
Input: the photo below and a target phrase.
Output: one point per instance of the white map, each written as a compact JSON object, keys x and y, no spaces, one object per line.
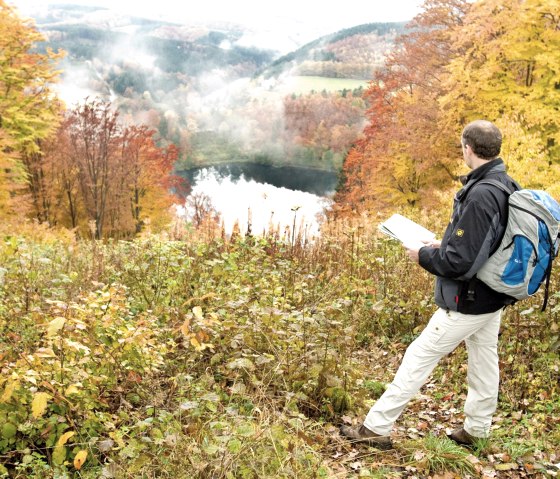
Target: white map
{"x":406,"y":231}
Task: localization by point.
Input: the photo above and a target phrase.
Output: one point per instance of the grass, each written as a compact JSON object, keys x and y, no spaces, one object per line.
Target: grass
{"x":306,"y":84}
{"x":439,"y":454}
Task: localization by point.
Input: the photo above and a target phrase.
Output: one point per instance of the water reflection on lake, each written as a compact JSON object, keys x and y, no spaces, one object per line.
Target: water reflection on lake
{"x":237,"y":198}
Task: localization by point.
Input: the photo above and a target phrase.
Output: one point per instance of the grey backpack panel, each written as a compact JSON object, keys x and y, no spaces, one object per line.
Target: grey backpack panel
{"x":523,"y":259}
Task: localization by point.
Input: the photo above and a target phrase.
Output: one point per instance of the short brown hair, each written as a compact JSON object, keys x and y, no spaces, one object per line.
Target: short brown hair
{"x":484,"y":138}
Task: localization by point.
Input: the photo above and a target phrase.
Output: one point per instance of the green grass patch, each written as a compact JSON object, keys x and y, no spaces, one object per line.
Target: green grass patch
{"x":306,"y":84}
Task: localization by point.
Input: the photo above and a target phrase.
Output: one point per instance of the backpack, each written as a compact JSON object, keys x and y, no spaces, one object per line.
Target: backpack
{"x":523,"y":258}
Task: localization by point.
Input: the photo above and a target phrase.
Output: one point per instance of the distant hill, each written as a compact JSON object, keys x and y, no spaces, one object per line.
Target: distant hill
{"x":89,"y":33}
{"x":350,"y":53}
{"x":121,"y":53}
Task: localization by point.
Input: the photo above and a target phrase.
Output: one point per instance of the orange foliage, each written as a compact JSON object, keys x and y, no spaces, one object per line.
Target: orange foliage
{"x":323,"y":121}
{"x":95,"y":171}
{"x":406,"y":150}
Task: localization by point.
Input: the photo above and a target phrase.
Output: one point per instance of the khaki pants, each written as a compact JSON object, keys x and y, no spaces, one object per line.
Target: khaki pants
{"x":442,"y":335}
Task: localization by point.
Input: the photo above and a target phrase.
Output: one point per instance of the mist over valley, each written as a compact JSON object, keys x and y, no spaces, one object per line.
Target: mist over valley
{"x":221,"y":95}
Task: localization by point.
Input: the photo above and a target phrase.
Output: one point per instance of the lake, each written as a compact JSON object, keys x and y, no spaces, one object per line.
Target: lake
{"x":265,"y":195}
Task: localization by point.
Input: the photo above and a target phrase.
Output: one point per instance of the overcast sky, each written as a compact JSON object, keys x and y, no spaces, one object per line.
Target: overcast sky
{"x":319,"y":16}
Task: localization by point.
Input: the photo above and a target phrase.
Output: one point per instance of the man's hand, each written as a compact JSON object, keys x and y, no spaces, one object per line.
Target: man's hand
{"x":413,"y":249}
{"x":432,"y":243}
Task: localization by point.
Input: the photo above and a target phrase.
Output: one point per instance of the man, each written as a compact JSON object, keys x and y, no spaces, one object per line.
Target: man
{"x":468,"y":309}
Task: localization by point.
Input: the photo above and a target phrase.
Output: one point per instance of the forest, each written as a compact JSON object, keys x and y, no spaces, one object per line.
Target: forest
{"x":134,"y":344}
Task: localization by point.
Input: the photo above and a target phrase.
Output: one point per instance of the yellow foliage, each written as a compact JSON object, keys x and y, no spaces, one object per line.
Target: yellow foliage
{"x":526,"y":157}
{"x":39,"y":404}
{"x":186,"y":327}
{"x":9,"y":390}
{"x":508,"y":68}
{"x":197,"y":311}
{"x":28,"y":107}
{"x":55,"y":326}
{"x":72,"y":389}
{"x":37,"y":232}
{"x":64,"y":438}
{"x":196,"y":344}
{"x":59,"y":453}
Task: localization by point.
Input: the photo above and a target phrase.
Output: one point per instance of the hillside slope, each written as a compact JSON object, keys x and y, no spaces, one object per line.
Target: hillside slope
{"x":350,"y":53}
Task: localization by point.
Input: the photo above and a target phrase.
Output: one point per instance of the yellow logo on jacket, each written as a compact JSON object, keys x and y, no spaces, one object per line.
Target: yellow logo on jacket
{"x":460,"y":232}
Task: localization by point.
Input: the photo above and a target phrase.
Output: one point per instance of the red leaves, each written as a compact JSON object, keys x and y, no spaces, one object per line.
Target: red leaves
{"x":97,"y":171}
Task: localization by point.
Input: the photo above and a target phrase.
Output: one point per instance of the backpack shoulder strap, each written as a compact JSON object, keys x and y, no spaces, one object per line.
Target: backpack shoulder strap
{"x":497,"y":184}
{"x":487,"y":181}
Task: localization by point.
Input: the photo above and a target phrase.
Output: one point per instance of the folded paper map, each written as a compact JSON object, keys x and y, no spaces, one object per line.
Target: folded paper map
{"x":406,"y":231}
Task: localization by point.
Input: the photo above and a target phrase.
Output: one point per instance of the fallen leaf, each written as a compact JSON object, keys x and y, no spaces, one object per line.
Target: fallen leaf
{"x":419,"y":455}
{"x":447,"y":475}
{"x":488,"y":473}
{"x":346,"y":419}
{"x":508,"y":466}
{"x":80,"y":458}
{"x":422,"y":426}
{"x":105,"y":445}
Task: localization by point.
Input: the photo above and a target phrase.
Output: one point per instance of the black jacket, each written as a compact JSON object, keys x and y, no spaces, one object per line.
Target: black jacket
{"x":477,"y":224}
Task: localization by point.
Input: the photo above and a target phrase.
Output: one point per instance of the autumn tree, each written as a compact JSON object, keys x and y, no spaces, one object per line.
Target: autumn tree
{"x":323,"y":123}
{"x":147,"y":173}
{"x":94,"y":141}
{"x":63,"y":178}
{"x":96,"y":170}
{"x":200,"y":210}
{"x":509,"y":74}
{"x":28,"y":107}
{"x":406,"y":151}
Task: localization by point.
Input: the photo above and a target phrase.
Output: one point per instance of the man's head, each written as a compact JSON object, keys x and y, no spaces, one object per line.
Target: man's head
{"x":483,"y":138}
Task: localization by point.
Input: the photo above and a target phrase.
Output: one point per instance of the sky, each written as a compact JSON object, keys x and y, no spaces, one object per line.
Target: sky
{"x":310,"y":18}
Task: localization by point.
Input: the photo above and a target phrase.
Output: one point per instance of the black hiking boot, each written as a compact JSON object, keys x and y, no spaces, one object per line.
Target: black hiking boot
{"x":462,"y":437}
{"x":361,"y":434}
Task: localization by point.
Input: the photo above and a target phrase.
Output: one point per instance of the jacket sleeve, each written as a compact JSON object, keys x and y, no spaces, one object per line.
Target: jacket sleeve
{"x":468,"y":244}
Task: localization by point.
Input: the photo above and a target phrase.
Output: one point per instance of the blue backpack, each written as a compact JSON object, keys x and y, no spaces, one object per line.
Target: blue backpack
{"x":523,"y":259}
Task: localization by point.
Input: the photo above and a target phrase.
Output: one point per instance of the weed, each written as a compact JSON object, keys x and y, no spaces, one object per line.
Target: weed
{"x":439,"y":454}
{"x":374,"y":388}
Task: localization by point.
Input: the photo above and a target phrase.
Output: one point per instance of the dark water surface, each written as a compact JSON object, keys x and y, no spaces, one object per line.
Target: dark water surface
{"x":318,"y":182}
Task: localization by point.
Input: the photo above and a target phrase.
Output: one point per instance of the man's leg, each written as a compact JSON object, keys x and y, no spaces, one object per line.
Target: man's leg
{"x":441,"y":336}
{"x":483,"y":377}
